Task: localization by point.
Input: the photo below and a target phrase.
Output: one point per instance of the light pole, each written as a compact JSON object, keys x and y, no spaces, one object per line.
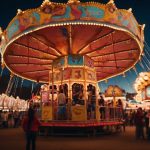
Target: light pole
{"x":113,"y":94}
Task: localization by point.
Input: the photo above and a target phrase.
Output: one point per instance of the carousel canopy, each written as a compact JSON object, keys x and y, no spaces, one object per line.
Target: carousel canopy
{"x":111,"y":37}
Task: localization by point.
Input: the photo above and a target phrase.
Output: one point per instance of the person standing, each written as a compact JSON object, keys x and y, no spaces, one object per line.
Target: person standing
{"x":31,"y":125}
{"x":147,"y":124}
{"x":120,"y":109}
{"x":61,"y":105}
{"x":5,"y":119}
{"x":15,"y":119}
{"x":10,"y":119}
{"x":139,"y":123}
{"x":102,"y":107}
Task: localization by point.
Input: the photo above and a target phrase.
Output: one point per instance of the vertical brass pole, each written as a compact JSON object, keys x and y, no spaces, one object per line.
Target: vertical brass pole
{"x":52,"y":92}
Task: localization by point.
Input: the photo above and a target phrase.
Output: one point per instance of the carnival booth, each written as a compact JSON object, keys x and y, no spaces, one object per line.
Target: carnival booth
{"x":114,"y":92}
{"x":115,"y":101}
{"x":72,"y":46}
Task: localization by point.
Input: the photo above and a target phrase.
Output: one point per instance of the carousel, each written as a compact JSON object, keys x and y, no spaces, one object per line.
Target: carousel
{"x":72,"y":46}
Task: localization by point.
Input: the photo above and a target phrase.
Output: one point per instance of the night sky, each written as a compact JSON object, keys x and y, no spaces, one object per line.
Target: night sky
{"x":140,"y":9}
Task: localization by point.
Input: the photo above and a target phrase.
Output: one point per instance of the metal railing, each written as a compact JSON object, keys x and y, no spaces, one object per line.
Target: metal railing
{"x":102,"y":113}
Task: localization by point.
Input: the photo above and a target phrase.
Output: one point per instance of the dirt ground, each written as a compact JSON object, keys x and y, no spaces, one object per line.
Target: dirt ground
{"x":14,"y":139}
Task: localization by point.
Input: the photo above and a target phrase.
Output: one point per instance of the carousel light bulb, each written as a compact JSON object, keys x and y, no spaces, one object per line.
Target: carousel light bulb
{"x":145,"y":77}
{"x":3,"y":37}
{"x":141,"y":79}
{"x":111,"y":2}
{"x":142,"y":54}
{"x":73,"y":1}
{"x":42,"y":86}
{"x":130,"y":10}
{"x":124,"y":75}
{"x":45,"y":1}
{"x":143,"y":26}
{"x":19,"y":11}
{"x":142,"y":74}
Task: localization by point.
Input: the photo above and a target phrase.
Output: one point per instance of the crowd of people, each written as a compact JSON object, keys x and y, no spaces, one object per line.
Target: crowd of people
{"x":10,"y":119}
{"x":28,"y":120}
{"x":107,"y":109}
{"x":141,"y":120}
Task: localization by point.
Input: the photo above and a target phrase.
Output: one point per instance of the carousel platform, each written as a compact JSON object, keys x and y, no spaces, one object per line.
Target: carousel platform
{"x":80,"y":123}
{"x":82,"y":128}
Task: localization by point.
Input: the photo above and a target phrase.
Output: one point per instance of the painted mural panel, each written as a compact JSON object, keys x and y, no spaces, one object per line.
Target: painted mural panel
{"x":88,"y":62}
{"x":77,"y":73}
{"x":59,"y":63}
{"x":46,"y":113}
{"x":75,"y":60}
{"x":57,"y":76}
{"x":67,"y":73}
{"x":90,"y":75}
